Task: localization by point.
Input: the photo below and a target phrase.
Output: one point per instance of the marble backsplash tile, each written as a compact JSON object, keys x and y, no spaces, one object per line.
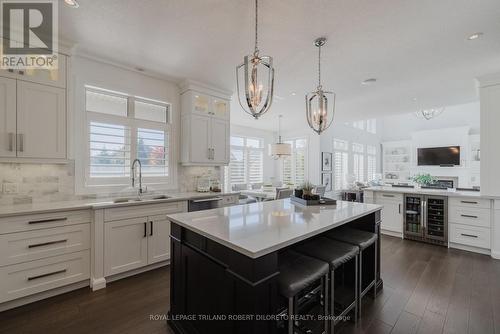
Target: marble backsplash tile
{"x":39,"y":183}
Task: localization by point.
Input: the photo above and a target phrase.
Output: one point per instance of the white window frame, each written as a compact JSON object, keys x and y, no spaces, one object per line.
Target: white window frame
{"x":346,"y":152}
{"x":246,"y":150}
{"x":292,"y":159}
{"x":370,"y":155}
{"x":84,"y":184}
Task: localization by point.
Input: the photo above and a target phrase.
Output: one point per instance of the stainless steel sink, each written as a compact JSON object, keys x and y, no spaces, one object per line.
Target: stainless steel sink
{"x":140,"y":199}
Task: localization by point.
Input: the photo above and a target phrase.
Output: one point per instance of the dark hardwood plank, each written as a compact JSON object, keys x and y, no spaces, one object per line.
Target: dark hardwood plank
{"x":427,"y":290}
{"x":407,"y":324}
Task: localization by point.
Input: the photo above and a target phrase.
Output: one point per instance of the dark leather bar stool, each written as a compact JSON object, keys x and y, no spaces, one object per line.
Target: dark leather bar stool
{"x":336,"y":254}
{"x":367,"y":276}
{"x":298,"y":273}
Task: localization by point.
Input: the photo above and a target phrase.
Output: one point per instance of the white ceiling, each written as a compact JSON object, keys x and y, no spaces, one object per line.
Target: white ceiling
{"x":415,"y":48}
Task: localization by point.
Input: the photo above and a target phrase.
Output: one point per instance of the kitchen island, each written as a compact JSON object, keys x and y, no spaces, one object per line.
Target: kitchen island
{"x":224,"y":264}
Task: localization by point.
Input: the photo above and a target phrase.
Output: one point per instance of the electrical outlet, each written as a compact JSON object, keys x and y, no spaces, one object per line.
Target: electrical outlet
{"x":10,"y":188}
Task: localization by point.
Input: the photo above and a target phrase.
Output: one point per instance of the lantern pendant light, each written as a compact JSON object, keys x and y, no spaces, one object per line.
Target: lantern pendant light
{"x":280,"y":149}
{"x":319,"y":110}
{"x":255,"y":79}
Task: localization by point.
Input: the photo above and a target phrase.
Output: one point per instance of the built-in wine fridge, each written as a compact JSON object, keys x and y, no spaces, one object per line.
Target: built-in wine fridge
{"x":426,"y":218}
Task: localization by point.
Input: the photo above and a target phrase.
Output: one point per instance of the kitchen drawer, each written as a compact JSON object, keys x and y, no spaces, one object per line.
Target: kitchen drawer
{"x":20,"y":280}
{"x":38,"y":244}
{"x":144,"y":210}
{"x":469,"y":235}
{"x":470,"y":202}
{"x":389,"y":196}
{"x":43,"y":220}
{"x":470,"y":216}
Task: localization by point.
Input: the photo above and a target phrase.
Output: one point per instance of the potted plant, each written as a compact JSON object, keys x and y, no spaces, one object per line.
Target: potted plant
{"x":307,"y":188}
{"x":424,"y":179}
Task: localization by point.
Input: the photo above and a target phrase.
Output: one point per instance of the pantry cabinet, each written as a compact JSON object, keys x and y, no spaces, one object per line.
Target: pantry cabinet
{"x":205,"y":129}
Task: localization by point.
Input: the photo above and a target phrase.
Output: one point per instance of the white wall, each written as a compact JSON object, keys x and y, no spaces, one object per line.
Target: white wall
{"x":270,"y":165}
{"x":85,"y":71}
{"x":401,"y":126}
{"x":352,"y":135}
{"x":452,"y":128}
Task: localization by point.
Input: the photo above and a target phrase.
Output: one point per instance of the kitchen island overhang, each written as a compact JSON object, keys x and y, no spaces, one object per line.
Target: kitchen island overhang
{"x":224,"y":262}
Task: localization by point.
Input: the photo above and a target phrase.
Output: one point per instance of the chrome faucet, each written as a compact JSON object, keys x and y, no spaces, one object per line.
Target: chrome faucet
{"x":140,"y":175}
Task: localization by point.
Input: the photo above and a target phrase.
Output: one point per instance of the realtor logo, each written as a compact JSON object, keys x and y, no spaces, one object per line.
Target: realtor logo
{"x":29,"y":34}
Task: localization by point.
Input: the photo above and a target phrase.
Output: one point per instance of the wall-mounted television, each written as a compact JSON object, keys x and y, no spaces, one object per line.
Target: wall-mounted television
{"x":439,"y":156}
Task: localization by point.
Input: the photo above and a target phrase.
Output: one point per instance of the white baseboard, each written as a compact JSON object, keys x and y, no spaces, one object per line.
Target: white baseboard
{"x":43,"y":295}
{"x":495,"y":255}
{"x":391,"y":233}
{"x":470,"y":248}
{"x":98,"y":283}
{"x":137,"y":271}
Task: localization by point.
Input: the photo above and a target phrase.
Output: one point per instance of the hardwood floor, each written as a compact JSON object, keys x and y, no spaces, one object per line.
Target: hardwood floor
{"x":427,"y":289}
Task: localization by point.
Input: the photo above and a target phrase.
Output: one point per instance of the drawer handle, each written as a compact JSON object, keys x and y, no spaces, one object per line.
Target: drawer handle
{"x":151,"y":229}
{"x":384,"y":195}
{"x":468,"y":202}
{"x":469,"y":216}
{"x":48,"y":243}
{"x":45,"y":275}
{"x":469,"y":235}
{"x":47,"y":220}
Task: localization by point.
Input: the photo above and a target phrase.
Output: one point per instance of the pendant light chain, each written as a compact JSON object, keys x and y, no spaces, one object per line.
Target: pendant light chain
{"x":319,"y":67}
{"x":256,"y":50}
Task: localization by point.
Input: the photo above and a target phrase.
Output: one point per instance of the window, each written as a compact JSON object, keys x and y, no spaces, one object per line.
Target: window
{"x":340,"y":163}
{"x":294,"y":167}
{"x":358,"y":161}
{"x":359,"y":125}
{"x":247,"y":161}
{"x":371,"y":162}
{"x":122,"y":128}
{"x":371,"y":126}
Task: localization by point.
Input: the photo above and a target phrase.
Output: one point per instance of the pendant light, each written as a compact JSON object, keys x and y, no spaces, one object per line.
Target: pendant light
{"x":429,"y":114}
{"x":255,"y":79}
{"x":280,"y":149}
{"x":318,"y":115}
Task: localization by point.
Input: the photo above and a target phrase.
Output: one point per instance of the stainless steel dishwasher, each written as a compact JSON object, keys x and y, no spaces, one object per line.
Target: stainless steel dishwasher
{"x":204,"y":203}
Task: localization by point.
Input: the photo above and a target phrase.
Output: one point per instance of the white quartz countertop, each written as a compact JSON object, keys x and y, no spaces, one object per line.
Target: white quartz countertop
{"x":260,"y":228}
{"x":100,"y":203}
{"x":438,"y":192}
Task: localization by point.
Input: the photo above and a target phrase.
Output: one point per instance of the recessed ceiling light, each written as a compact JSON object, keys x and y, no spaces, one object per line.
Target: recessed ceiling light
{"x":72,"y":3}
{"x":475,"y":36}
{"x":293,"y":94}
{"x":369,"y":81}
{"x":414,"y":99}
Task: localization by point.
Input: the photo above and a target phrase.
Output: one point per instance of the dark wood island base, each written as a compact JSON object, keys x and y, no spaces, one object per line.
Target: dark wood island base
{"x":215,"y":289}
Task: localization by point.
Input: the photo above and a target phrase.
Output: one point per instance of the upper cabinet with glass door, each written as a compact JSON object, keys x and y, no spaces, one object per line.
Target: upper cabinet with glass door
{"x":55,"y":77}
{"x":205,"y":105}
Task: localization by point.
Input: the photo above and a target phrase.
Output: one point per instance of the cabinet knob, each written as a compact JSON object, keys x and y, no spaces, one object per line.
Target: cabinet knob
{"x":10,"y":70}
{"x":21,"y":72}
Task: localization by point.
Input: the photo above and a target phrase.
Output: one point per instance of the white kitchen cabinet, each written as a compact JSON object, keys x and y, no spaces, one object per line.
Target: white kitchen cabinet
{"x":41,"y":121}
{"x":55,"y":77}
{"x":392,"y":213}
{"x":125,"y":245}
{"x":220,"y":141}
{"x":7,"y":117}
{"x":194,"y":102}
{"x":205,"y":140}
{"x":205,"y":126}
{"x":199,"y":133}
{"x":159,"y":239}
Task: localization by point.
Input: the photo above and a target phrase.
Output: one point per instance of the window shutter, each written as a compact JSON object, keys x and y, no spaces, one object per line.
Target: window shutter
{"x":109,"y":146}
